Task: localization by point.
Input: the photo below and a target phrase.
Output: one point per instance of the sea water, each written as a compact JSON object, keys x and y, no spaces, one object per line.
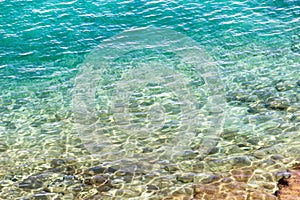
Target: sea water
{"x":152,"y":111}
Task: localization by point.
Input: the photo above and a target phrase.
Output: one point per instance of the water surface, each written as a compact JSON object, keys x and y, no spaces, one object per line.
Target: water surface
{"x":255,"y":45}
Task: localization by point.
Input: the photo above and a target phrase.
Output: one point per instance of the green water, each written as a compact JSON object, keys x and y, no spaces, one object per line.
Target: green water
{"x":44,"y":45}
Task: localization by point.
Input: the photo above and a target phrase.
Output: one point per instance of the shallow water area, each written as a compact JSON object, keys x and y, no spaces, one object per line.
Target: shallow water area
{"x":255,"y":48}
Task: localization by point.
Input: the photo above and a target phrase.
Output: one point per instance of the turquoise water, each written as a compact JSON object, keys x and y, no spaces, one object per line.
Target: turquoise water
{"x":44,"y":45}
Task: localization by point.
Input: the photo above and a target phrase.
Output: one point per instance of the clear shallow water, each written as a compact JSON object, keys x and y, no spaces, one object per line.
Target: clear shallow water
{"x":256,"y":47}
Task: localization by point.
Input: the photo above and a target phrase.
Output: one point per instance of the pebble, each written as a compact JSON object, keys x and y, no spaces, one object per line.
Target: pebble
{"x":32,"y":182}
{"x":213,"y":150}
{"x":241,"y":175}
{"x":43,"y":196}
{"x":198,"y":166}
{"x":229,"y":134}
{"x":96,"y":170}
{"x":79,"y":187}
{"x":147,"y":150}
{"x":152,"y":188}
{"x":293,"y":108}
{"x":99,"y":180}
{"x":282,"y":174}
{"x":186,"y":178}
{"x":253,"y":141}
{"x":117,"y":183}
{"x":3,"y":147}
{"x":210,"y":178}
{"x":57,"y":162}
{"x":171,"y":168}
{"x":277,"y":103}
{"x":284,"y":85}
{"x":264,"y":93}
{"x":241,"y":161}
{"x":271,"y":124}
{"x":126,"y":193}
{"x":277,"y":157}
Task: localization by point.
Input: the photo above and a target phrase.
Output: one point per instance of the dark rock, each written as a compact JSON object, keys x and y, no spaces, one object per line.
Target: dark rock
{"x":57,"y":162}
{"x":252,"y":110}
{"x":152,"y":187}
{"x":14,"y":179}
{"x":42,"y":196}
{"x":128,"y":178}
{"x":229,"y":134}
{"x":242,"y":145}
{"x":111,"y":170}
{"x":282,"y":174}
{"x":171,"y":168}
{"x":99,"y":180}
{"x":147,"y":150}
{"x":213,"y":150}
{"x":277,"y":157}
{"x":32,"y":182}
{"x":96,"y":170}
{"x":289,"y":187}
{"x":253,"y":141}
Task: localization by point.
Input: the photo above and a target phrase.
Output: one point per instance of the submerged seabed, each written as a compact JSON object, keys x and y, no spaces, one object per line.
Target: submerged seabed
{"x":256,"y":46}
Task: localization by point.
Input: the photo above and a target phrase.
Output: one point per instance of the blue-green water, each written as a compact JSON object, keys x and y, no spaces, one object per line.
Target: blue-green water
{"x":256,"y":45}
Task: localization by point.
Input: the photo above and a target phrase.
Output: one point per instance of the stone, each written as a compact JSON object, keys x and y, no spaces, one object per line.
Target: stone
{"x":198,"y":166}
{"x":99,"y":180}
{"x":171,"y":168}
{"x":32,"y":182}
{"x":126,"y":193}
{"x":229,"y":134}
{"x":186,"y":178}
{"x":258,"y":195}
{"x":277,"y":103}
{"x":213,"y":150}
{"x":79,"y":187}
{"x":293,"y":108}
{"x":152,"y":187}
{"x":147,"y":150}
{"x":117,"y":183}
{"x":240,"y":161}
{"x":289,"y":188}
{"x":43,"y":196}
{"x":267,"y":163}
{"x":57,"y":162}
{"x":210,"y":178}
{"x":206,"y":192}
{"x":241,"y":175}
{"x":284,"y":85}
{"x":3,"y":147}
{"x":96,"y":170}
{"x":277,"y":157}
